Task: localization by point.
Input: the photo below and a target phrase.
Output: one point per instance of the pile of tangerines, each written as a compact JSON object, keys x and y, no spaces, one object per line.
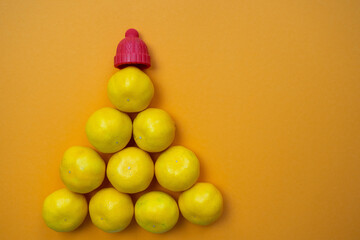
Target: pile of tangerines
{"x":130,"y":169}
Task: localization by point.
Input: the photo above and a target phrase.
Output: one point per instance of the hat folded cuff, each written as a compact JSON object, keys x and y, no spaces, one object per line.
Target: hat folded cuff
{"x":141,"y":60}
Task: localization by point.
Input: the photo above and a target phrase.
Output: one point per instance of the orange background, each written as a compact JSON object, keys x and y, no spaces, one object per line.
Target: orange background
{"x":267,"y":93}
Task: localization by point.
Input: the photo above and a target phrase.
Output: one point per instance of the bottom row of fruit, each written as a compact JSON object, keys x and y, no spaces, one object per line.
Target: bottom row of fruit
{"x":112,"y":211}
{"x":131,"y":170}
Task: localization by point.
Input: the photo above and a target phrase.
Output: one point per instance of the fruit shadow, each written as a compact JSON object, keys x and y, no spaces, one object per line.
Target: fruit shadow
{"x":179,"y":139}
{"x":154,"y":186}
{"x":226,"y":208}
{"x":105,"y":184}
{"x":131,"y":227}
{"x":180,"y":225}
{"x":203,"y":177}
{"x":158,"y":96}
{"x":84,"y":227}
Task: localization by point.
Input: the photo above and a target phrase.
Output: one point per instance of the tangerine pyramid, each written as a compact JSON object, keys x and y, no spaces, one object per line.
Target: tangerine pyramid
{"x":131,"y":169}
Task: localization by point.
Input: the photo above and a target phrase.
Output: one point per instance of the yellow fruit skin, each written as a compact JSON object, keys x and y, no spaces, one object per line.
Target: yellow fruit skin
{"x":130,"y":90}
{"x":177,"y":169}
{"x":130,"y":170}
{"x":82,"y":169}
{"x":110,"y":210}
{"x":64,"y":211}
{"x":109,"y":130}
{"x":156,"y":212}
{"x":154,"y":130}
{"x":202,"y":204}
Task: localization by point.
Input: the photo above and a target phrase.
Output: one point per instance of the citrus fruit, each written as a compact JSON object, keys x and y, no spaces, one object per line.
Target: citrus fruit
{"x":156,"y":212}
{"x":130,"y":90}
{"x":64,"y":211}
{"x":177,"y":169}
{"x":110,"y":210}
{"x":130,"y":170}
{"x":82,"y":169}
{"x":109,"y":130}
{"x":202,"y":204}
{"x":154,"y":130}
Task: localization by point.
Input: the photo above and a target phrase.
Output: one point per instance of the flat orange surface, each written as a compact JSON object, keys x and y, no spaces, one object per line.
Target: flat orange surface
{"x":266,"y":93}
